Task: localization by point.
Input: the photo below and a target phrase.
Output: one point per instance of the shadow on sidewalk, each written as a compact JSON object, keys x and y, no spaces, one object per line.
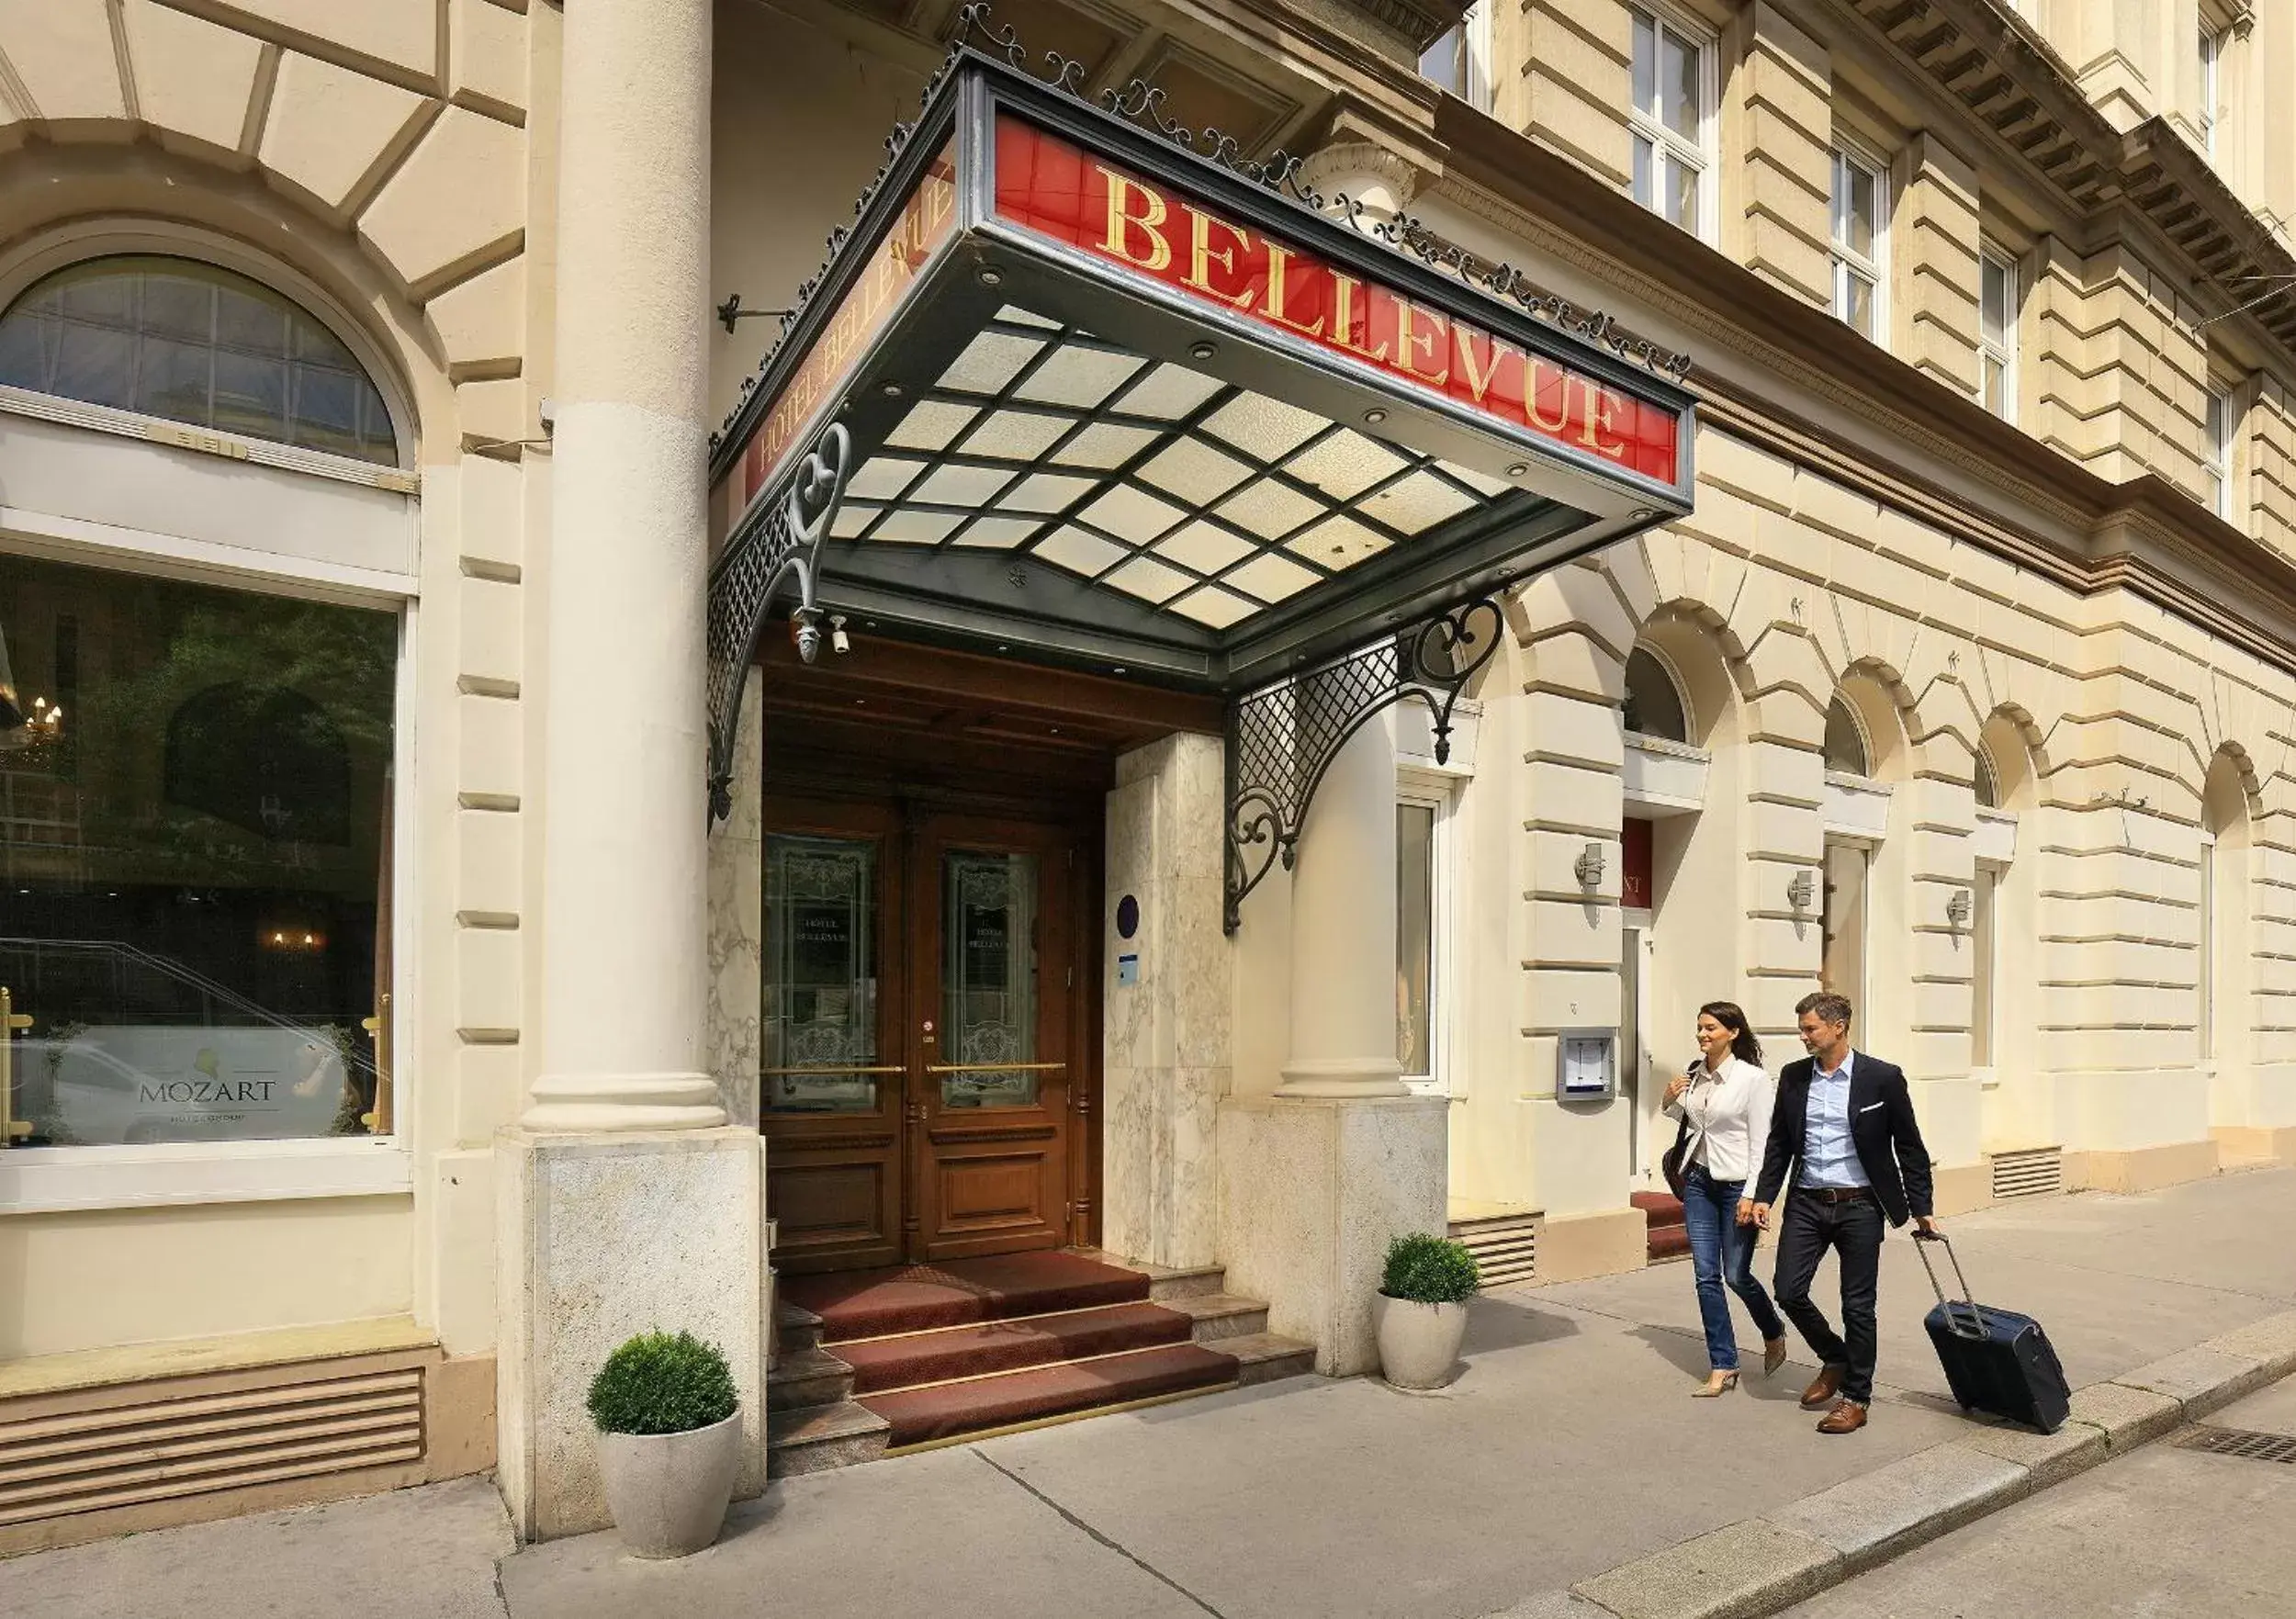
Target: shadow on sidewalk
{"x":1496,"y":1322}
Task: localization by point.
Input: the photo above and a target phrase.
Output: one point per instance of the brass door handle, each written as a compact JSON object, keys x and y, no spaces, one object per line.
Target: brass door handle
{"x":783,"y":1072}
{"x":993,"y":1067}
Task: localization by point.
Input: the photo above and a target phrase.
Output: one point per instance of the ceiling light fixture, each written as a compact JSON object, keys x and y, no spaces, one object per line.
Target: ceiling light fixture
{"x":1202,"y":350}
{"x":1375,"y":416}
{"x":992,"y":277}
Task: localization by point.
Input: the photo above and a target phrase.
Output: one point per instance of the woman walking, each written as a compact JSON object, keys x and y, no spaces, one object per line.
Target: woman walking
{"x":1722,"y":1103}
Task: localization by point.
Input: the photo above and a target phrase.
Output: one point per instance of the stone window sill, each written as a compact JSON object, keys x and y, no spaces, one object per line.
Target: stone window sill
{"x":50,"y":1180}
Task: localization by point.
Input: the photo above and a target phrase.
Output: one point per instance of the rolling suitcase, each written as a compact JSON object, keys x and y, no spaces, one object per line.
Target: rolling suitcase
{"x":1995,"y":1360}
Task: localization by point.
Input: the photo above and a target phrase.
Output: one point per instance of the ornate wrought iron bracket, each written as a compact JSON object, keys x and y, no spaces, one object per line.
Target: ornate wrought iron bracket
{"x":1281,"y":738}
{"x":785,"y":544}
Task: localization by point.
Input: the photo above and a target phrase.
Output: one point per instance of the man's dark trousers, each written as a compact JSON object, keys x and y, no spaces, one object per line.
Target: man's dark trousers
{"x":1853,"y":1229}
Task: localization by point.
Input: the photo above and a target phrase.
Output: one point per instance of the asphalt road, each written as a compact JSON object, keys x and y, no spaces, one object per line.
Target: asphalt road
{"x":2164,"y":1533}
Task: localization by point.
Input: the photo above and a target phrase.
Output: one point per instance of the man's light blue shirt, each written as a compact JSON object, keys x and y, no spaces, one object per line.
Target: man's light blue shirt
{"x":1829,"y":1155}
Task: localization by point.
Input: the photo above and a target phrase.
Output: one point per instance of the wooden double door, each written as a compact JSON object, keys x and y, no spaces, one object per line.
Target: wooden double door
{"x":927,"y":1051}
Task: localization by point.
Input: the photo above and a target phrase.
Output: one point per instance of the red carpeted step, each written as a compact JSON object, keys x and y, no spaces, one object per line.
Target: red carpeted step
{"x":947,"y":1410}
{"x":1668,"y":1242}
{"x":1661,"y":1208}
{"x":918,"y":1297}
{"x":882,"y":1364}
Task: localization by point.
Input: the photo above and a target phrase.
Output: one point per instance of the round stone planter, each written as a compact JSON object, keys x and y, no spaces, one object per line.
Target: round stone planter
{"x":1419,"y":1344}
{"x":668,"y":1491}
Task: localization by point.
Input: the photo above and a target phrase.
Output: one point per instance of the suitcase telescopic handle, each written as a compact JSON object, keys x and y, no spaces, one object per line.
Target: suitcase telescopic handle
{"x":1921,"y":1240}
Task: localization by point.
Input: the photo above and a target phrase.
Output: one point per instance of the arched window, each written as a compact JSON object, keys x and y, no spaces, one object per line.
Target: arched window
{"x":188,"y":342}
{"x":1988,"y":783}
{"x":1654,"y":703}
{"x":1845,"y":740}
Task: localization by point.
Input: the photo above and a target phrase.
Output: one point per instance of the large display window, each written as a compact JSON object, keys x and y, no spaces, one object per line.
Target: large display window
{"x":196,"y":793}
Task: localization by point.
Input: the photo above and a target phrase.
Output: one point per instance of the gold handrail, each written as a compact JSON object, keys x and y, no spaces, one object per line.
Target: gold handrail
{"x":12,"y":1129}
{"x":880,"y":1068}
{"x":993,"y":1067}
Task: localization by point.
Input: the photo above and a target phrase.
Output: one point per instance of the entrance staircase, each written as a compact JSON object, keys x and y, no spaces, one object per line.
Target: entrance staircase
{"x":1662,"y":1212}
{"x":878,"y":1363}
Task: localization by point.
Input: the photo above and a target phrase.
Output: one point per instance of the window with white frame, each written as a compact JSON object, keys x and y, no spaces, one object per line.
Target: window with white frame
{"x":1460,"y":58}
{"x":1672,"y":119}
{"x":1419,"y":888}
{"x":2204,"y":986}
{"x":1996,"y":333}
{"x":2211,"y":83}
{"x":1861,"y":239}
{"x":2216,"y":452}
{"x":1984,"y":957}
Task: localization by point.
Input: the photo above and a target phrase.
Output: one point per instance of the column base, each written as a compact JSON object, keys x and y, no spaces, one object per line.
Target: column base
{"x":1343,"y":1078}
{"x":601,"y":1237}
{"x":1312,"y":1190}
{"x":617,"y":1104}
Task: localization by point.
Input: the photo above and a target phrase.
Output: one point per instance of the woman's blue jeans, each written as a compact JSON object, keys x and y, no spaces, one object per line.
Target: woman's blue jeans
{"x":1721,"y":1251}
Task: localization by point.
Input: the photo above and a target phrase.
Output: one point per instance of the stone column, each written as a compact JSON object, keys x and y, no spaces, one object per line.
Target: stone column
{"x":623,"y":841}
{"x":1317,"y":1178}
{"x":624,"y":1200}
{"x":1343,"y":928}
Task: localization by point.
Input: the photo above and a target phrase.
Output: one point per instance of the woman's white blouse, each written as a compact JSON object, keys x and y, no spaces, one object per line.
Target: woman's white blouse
{"x":1728,"y":1111}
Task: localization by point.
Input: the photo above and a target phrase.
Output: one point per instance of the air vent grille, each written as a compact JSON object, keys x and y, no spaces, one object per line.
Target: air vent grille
{"x":134,"y":1454}
{"x":1505,"y":1247}
{"x":2038,"y":1172}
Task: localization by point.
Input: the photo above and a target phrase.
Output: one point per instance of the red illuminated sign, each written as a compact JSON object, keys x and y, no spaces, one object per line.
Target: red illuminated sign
{"x":1059,"y":190}
{"x":891,"y":271}
{"x":1634,"y":858}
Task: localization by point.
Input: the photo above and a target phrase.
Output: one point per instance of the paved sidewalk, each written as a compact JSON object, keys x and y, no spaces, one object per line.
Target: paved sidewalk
{"x":1567,"y":1448}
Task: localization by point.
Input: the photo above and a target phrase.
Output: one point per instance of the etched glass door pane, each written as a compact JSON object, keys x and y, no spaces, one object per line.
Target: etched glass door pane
{"x":820,"y":976}
{"x":988,"y":979}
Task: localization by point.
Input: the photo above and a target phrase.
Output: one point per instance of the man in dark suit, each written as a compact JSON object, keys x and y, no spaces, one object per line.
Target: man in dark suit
{"x":1844,"y":1121}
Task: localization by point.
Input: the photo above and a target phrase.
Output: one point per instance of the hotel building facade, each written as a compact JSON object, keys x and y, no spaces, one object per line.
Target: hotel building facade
{"x":1212,"y":679}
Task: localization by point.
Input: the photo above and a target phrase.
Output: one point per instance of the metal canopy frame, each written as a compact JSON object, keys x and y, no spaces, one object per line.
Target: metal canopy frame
{"x":825,"y":447}
{"x":1282,"y":738}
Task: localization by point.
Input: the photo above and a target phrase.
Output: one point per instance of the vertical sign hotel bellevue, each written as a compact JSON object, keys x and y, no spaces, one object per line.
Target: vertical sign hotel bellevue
{"x":884,"y":284}
{"x":1055,"y":189}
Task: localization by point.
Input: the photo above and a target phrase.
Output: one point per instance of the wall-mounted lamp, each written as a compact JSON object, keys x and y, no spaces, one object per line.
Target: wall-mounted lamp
{"x":1588,"y":867}
{"x":1957,"y":908}
{"x":1801,"y":890}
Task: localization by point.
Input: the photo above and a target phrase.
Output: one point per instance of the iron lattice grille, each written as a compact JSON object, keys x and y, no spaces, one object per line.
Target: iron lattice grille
{"x":1282,"y":738}
{"x":785,"y":544}
{"x":1188,"y":494}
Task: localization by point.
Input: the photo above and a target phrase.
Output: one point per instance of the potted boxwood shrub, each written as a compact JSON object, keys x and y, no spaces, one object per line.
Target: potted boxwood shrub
{"x":668,"y":1441}
{"x":1421,"y":1312}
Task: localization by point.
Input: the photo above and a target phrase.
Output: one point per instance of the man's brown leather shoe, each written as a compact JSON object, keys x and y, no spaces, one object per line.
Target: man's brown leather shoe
{"x":1820,"y":1394}
{"x":1847,"y":1417}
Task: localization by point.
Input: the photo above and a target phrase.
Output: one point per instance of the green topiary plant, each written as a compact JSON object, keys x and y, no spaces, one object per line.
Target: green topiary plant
{"x":1427,"y":1269}
{"x":662,"y":1383}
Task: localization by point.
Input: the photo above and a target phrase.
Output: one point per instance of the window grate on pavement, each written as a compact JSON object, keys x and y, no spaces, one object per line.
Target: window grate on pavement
{"x":2241,"y":1442}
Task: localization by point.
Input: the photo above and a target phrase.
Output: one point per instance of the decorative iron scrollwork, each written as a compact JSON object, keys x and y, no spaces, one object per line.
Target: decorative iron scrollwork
{"x":1282,"y":738}
{"x":785,"y":544}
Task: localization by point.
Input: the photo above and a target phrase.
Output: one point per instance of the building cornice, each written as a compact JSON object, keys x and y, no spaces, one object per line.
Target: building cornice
{"x":1999,"y":67}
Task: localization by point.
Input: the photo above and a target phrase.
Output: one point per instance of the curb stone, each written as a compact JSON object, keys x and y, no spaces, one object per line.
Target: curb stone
{"x":1760,"y":1566}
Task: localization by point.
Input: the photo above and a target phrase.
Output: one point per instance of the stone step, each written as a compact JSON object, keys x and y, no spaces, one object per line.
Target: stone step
{"x":808,"y":1378}
{"x":1666,"y":1242}
{"x":794,"y":1329}
{"x":819,"y":1437}
{"x":1220,"y":1316}
{"x":1262,"y":1357}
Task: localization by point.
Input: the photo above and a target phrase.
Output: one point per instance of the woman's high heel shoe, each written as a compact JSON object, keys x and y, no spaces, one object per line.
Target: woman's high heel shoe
{"x":1772,"y":1355}
{"x":1717,"y":1385}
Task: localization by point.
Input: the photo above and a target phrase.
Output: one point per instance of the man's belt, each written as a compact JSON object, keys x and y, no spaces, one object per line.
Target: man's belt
{"x":1838,"y":1193}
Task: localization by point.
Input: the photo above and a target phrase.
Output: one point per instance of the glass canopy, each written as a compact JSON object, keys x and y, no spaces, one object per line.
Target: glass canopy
{"x":1076,"y":391}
